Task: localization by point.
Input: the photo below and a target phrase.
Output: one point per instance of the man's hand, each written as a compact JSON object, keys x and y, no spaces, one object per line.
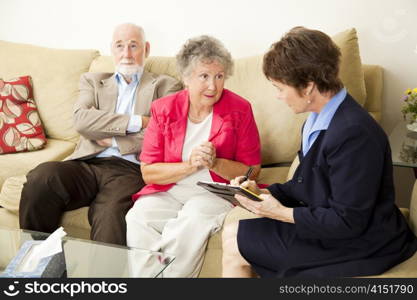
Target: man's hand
{"x":107,"y":142}
{"x":145,"y":121}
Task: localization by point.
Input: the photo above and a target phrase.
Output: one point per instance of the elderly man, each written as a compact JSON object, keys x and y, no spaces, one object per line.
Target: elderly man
{"x":103,"y":172}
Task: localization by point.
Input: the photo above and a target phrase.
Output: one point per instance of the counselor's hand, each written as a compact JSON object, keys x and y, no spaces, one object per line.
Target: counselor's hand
{"x":248,"y":184}
{"x":270,"y":207}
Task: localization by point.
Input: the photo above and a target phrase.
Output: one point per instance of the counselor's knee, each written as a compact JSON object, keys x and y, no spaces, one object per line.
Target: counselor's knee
{"x":229,"y":237}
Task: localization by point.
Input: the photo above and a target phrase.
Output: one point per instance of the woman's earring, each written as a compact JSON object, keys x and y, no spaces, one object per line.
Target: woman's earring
{"x":306,"y":96}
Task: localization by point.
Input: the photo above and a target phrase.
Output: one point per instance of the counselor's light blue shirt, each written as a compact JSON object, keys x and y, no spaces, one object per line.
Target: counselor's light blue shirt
{"x":125,"y":105}
{"x":317,"y":122}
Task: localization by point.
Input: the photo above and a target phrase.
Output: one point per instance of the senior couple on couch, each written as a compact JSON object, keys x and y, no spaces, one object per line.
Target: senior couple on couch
{"x":337,"y":217}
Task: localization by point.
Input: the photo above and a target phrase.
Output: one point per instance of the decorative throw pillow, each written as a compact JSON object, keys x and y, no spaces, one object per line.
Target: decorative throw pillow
{"x":20,"y":125}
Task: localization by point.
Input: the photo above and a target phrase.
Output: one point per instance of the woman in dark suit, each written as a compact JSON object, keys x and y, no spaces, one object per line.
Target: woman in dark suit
{"x":337,"y":216}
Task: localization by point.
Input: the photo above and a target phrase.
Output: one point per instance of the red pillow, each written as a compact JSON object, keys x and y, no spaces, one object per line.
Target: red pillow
{"x":20,"y":125}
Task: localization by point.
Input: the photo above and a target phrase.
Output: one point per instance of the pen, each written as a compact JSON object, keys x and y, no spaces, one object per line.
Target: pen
{"x":247,"y":175}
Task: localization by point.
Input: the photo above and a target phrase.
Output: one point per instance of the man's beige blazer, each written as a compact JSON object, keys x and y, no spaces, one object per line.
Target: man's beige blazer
{"x":95,"y":117}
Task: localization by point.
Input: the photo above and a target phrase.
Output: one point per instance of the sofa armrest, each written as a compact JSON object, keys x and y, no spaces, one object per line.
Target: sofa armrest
{"x":374,"y":84}
{"x":10,"y":193}
{"x":293,"y":167}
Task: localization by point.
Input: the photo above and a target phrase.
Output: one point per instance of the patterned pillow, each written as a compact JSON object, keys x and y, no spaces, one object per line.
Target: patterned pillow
{"x":20,"y":125}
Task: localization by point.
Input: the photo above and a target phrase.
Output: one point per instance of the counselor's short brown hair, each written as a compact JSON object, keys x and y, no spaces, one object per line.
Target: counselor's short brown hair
{"x":303,"y":55}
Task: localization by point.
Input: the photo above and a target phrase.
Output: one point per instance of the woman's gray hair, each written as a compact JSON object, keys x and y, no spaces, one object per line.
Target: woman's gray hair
{"x":205,"y":49}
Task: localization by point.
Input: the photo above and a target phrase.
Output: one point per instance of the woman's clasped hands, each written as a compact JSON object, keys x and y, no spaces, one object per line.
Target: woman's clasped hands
{"x":203,"y":156}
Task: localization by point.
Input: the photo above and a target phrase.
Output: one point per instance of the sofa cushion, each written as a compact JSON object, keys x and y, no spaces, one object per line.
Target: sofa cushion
{"x":8,"y":219}
{"x":75,"y":223}
{"x":55,"y":74}
{"x":406,"y":269}
{"x":102,"y":64}
{"x":212,"y":264}
{"x":351,"y":72}
{"x":20,"y":163}
{"x":154,"y":64}
{"x":373,"y":84}
{"x":10,"y":193}
{"x":162,"y":65}
{"x":273,"y":175}
{"x":20,"y":126}
{"x":293,"y":167}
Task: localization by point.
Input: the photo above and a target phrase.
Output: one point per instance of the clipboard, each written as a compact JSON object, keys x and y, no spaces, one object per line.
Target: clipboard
{"x":228,"y":192}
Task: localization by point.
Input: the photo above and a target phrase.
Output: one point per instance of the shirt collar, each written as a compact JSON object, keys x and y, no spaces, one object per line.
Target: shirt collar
{"x":321,"y":121}
{"x":135,"y":78}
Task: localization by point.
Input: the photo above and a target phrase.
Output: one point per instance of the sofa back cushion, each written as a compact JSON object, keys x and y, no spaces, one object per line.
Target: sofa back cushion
{"x":155,"y":64}
{"x":278,"y":126}
{"x":351,"y":71}
{"x":55,"y":74}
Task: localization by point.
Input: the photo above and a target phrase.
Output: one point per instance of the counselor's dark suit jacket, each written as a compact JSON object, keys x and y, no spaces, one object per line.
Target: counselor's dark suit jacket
{"x":346,"y":222}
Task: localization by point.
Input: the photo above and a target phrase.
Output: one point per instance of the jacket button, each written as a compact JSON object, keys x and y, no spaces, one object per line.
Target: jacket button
{"x":299,"y":179}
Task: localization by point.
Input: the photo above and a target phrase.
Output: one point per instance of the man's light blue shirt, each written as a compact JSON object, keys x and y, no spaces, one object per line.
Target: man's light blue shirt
{"x":317,"y":122}
{"x":126,"y":105}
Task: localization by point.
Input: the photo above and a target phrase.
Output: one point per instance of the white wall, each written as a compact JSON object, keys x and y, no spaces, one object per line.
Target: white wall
{"x":387,"y":29}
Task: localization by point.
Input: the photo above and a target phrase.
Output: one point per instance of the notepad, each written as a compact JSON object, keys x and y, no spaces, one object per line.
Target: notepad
{"x":228,"y":192}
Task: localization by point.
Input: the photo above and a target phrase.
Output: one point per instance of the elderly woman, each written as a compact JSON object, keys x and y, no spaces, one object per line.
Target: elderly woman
{"x":337,"y":216}
{"x":203,"y":133}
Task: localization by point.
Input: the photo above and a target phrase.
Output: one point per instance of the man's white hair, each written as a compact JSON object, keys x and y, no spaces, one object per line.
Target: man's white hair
{"x":139,"y":29}
{"x":128,"y":70}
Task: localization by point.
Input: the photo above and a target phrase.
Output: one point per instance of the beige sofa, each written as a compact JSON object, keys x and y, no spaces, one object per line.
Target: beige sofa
{"x":55,"y":76}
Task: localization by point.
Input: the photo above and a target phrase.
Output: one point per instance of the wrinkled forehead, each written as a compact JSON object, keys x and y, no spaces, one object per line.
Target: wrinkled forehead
{"x":127,"y":42}
{"x":128,"y":34}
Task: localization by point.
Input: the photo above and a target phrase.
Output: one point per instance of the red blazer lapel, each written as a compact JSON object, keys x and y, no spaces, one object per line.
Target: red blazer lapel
{"x":216,"y":125}
{"x":218,"y":110}
{"x":178,"y":126}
